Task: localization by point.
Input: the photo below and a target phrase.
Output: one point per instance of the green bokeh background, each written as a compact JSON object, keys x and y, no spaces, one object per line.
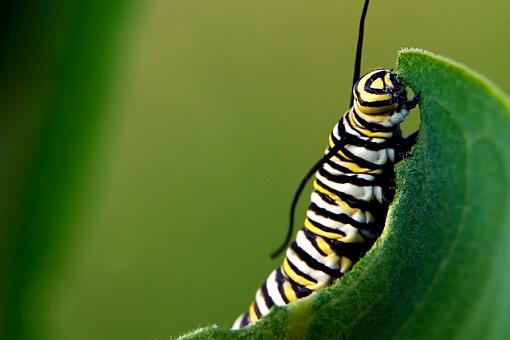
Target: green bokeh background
{"x":149,"y":150}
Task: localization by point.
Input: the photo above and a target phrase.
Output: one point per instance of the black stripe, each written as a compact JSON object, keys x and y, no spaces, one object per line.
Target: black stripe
{"x":265,"y":294}
{"x":312,"y":238}
{"x":338,"y":167}
{"x":374,"y":127}
{"x":380,"y":73}
{"x":359,"y":161}
{"x":341,"y":131}
{"x":397,"y":88}
{"x":313,"y":263}
{"x":299,"y":272}
{"x":299,"y":290}
{"x":326,"y":229}
{"x":341,"y":218}
{"x":375,"y":104}
{"x":357,"y":141}
{"x":351,"y":179}
{"x":353,"y":251}
{"x":280,"y":279}
{"x":256,"y":309}
{"x":378,"y":103}
{"x":244,"y":321}
{"x":374,"y":91}
{"x":395,"y":82}
{"x":355,"y":128}
{"x":325,"y":197}
{"x":365,"y":125}
{"x":381,"y":179}
{"x":370,"y":81}
{"x":376,"y":211}
{"x":350,"y":200}
{"x":345,"y":159}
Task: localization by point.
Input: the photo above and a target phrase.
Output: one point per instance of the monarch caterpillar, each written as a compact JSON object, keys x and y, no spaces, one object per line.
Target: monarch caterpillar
{"x":353,"y":187}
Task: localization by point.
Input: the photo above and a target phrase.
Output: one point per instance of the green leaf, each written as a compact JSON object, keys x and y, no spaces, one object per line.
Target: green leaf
{"x":439,"y":269}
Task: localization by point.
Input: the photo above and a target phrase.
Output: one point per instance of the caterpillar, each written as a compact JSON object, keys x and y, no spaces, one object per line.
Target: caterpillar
{"x":354,"y":185}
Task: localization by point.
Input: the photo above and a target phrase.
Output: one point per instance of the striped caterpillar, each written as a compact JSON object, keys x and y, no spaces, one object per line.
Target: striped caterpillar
{"x":354,"y":185}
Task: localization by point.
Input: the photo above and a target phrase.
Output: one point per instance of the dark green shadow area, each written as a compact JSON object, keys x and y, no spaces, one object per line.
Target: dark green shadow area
{"x":56,"y":62}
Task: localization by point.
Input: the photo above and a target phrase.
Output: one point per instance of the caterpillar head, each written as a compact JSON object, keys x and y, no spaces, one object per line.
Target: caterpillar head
{"x":379,"y":93}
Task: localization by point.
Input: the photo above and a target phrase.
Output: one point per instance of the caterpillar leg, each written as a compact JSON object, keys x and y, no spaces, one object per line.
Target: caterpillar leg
{"x":412,"y":103}
{"x":404,"y":146}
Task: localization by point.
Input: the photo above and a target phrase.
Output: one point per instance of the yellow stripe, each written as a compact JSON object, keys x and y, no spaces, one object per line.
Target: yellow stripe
{"x":289,"y":292}
{"x":330,"y":142}
{"x":387,"y":80}
{"x":355,"y":124}
{"x":373,"y":97}
{"x":375,"y":111}
{"x":338,"y":201}
{"x":323,"y":190}
{"x":323,"y":245}
{"x":367,"y":132}
{"x":341,"y":153}
{"x":353,"y":237}
{"x":377,"y":84}
{"x":345,"y":264}
{"x":253,"y":316}
{"x":317,"y":231}
{"x":294,"y":276}
{"x":350,"y":164}
{"x":369,"y":217}
{"x":355,"y":168}
{"x":346,"y":208}
{"x":373,"y":118}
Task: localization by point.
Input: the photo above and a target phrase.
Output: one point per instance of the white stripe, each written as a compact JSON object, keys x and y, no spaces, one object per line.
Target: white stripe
{"x":377,"y":157}
{"x":358,"y":215}
{"x":331,"y":261}
{"x":374,"y":119}
{"x":349,"y":230}
{"x":398,"y":117}
{"x":352,"y":235}
{"x":324,"y":221}
{"x":350,"y":130}
{"x":237,"y":323}
{"x":261,"y":303}
{"x":391,"y":154}
{"x":378,"y":194}
{"x":355,"y":132}
{"x":345,"y":164}
{"x":364,"y":193}
{"x":272,"y":289}
{"x":367,"y":234}
{"x":333,"y":171}
{"x":319,"y":276}
{"x":335,"y":131}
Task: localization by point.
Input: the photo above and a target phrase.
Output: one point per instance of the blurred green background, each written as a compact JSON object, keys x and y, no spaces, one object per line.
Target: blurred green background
{"x":149,"y":150}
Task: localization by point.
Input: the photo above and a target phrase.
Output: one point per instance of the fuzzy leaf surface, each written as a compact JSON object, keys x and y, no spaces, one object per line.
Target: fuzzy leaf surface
{"x":438,"y":270}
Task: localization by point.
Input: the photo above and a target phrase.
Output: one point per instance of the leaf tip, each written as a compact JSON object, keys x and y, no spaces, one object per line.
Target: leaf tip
{"x":409,"y":55}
